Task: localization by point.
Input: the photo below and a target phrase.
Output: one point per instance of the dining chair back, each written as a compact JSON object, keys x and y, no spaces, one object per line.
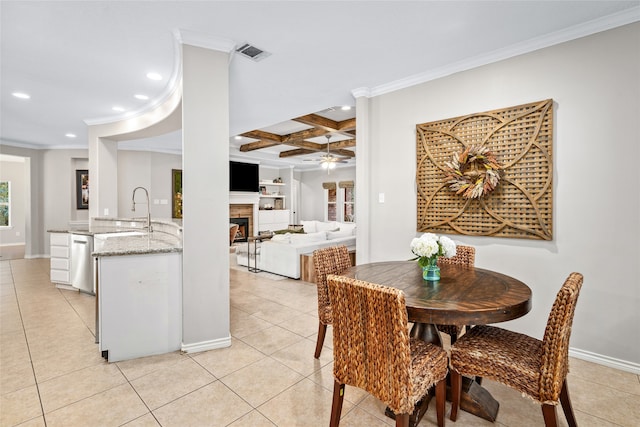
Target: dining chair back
{"x":329,"y":260}
{"x":233,"y":231}
{"x":465,"y":256}
{"x":372,"y":350}
{"x":535,"y":368}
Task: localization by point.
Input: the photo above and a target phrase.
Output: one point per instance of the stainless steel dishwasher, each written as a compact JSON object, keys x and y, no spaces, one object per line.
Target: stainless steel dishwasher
{"x":82,"y":263}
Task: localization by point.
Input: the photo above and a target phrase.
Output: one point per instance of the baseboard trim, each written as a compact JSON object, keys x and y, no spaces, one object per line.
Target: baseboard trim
{"x":612,"y":362}
{"x":207,"y":345}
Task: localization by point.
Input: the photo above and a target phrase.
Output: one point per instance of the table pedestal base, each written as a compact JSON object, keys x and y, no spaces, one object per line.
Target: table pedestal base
{"x":474,"y":399}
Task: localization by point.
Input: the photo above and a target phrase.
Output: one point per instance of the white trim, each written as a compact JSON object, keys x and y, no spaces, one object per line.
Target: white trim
{"x":2,"y":245}
{"x":612,"y":362}
{"x":619,"y":19}
{"x":207,"y":345}
{"x":197,"y":39}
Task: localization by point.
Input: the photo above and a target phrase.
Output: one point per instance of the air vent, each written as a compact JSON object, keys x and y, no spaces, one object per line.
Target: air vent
{"x":252,"y":52}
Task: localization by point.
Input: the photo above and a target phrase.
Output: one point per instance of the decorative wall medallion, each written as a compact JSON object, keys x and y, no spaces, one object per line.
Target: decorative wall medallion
{"x":507,"y":192}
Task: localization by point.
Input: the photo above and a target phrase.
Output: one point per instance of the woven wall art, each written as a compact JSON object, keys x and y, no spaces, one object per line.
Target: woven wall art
{"x":520,"y":139}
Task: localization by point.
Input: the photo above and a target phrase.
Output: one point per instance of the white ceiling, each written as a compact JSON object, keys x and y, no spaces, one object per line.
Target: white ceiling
{"x":79,"y":59}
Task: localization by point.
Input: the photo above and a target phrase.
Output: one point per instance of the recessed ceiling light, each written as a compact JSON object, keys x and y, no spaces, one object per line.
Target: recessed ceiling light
{"x":237,"y":137}
{"x":21,"y":95}
{"x":118,"y":109}
{"x":141,"y":97}
{"x":70,"y":135}
{"x":154,"y":76}
{"x":346,"y":107}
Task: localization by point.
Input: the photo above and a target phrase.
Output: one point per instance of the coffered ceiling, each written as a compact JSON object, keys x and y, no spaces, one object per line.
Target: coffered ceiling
{"x":87,"y":61}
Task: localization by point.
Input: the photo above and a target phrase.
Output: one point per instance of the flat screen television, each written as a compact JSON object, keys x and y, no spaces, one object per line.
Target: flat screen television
{"x":243,"y":176}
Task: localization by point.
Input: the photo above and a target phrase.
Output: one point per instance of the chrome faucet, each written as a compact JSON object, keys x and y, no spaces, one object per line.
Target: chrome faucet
{"x":133,"y":206}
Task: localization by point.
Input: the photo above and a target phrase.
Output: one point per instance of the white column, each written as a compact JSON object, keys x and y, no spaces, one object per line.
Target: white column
{"x":363,"y":177}
{"x":205,"y":185}
{"x":103,"y":168}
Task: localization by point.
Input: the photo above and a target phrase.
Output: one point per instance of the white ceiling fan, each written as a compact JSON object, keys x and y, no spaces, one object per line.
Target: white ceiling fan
{"x":328,"y":161}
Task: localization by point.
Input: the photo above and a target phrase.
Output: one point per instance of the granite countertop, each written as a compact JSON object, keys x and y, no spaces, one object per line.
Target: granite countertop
{"x":166,"y":237}
{"x":156,"y":242}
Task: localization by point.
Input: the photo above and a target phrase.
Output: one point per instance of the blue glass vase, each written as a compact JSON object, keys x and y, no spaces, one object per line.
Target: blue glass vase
{"x":431,"y":271}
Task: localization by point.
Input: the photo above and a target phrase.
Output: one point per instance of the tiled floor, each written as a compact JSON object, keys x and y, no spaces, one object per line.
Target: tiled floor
{"x":51,"y":373}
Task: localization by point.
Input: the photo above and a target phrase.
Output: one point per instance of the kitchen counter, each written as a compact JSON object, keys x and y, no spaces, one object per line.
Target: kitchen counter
{"x":154,"y":243}
{"x":166,"y":236}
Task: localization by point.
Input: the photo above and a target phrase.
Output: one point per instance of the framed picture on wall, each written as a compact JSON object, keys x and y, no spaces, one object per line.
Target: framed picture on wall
{"x":176,"y":190}
{"x":82,"y":189}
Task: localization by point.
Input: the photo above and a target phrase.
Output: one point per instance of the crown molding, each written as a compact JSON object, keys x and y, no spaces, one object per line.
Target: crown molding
{"x":615,"y":20}
{"x":194,"y":38}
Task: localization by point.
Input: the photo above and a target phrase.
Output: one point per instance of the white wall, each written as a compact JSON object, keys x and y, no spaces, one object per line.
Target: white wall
{"x":595,"y":85}
{"x":53,"y":197}
{"x":34,"y":217}
{"x":15,"y":173}
{"x":312,"y":194}
{"x":151,"y":171}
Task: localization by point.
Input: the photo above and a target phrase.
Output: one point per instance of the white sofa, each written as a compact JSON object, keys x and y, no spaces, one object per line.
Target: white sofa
{"x":281,"y":254}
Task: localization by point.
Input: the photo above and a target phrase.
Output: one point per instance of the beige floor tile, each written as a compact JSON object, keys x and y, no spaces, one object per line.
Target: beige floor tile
{"x":213,"y":404}
{"x":275,"y":313}
{"x":269,"y":367}
{"x":168,"y":384}
{"x":35,"y":422}
{"x":78,"y":385}
{"x":13,"y":347}
{"x":325,"y":378}
{"x":16,"y":375}
{"x":261,"y":381}
{"x":586,"y":420}
{"x":243,"y":324}
{"x":271,"y":339}
{"x":308,"y":403}
{"x":136,"y":368}
{"x":66,"y":360}
{"x":147,"y":420}
{"x":299,"y":357}
{"x":603,"y":402}
{"x":224,"y":361}
{"x":305,"y":325}
{"x":372,"y":406}
{"x":356,"y":417}
{"x":113,"y":407}
{"x":514,"y":409}
{"x":604,"y":375}
{"x":252,"y":419}
{"x":19,"y":406}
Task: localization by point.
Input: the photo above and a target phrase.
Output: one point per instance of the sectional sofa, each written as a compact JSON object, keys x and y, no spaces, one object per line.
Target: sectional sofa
{"x":281,"y":254}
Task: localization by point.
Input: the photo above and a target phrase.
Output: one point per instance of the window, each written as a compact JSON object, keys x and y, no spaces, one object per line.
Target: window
{"x":5,"y":204}
{"x":331,"y":201}
{"x":348,"y":201}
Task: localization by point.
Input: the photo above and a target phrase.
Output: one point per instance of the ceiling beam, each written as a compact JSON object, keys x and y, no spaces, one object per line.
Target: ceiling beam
{"x":321,"y":126}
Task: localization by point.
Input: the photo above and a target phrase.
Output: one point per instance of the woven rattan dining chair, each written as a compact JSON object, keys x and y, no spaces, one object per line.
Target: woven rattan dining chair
{"x":372,"y":350}
{"x":465,"y":256}
{"x":537,"y":369}
{"x":330,"y":260}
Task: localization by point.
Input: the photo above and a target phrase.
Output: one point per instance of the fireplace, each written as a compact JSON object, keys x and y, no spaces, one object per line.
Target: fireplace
{"x":244,"y":206}
{"x":243,"y":230}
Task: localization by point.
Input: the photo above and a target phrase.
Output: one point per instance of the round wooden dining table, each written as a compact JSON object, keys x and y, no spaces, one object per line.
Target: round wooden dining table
{"x":462,"y":296}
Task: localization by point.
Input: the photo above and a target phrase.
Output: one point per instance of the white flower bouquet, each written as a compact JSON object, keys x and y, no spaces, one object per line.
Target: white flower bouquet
{"x":429,"y":247}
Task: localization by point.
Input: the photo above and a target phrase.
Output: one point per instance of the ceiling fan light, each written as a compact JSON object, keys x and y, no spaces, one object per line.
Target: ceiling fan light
{"x":332,"y":165}
{"x":324,"y":165}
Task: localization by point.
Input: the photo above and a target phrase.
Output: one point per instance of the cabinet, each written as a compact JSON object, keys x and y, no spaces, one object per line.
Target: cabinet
{"x":139,"y":305}
{"x":271,"y":195}
{"x":272,"y":220}
{"x":60,"y":258}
